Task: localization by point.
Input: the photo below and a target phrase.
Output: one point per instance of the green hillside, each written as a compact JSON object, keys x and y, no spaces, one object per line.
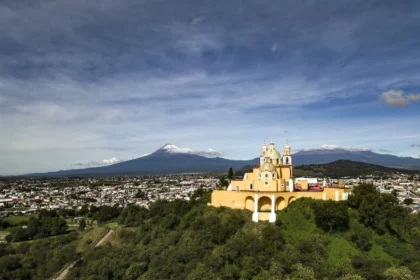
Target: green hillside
{"x":345,"y":168}
{"x":339,"y":169}
{"x":367,"y":237}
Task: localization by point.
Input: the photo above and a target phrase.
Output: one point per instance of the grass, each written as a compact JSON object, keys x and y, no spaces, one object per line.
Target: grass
{"x":90,"y":236}
{"x":112,"y":225}
{"x":339,"y":248}
{"x":3,"y":234}
{"x":15,"y":220}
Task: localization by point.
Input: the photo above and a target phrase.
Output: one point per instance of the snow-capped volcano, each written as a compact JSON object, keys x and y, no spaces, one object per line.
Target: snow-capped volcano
{"x":169,"y":148}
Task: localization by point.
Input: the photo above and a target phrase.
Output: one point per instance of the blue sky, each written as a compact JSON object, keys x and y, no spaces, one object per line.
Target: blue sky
{"x":85,"y":81}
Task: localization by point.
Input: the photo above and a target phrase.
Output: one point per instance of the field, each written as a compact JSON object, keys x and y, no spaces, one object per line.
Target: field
{"x":15,"y":220}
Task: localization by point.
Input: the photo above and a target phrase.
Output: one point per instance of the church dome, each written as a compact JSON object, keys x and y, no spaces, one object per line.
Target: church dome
{"x":273,"y":154}
{"x":267,"y":166}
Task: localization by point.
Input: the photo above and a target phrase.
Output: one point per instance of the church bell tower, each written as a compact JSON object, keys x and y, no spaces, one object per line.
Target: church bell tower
{"x":287,"y":155}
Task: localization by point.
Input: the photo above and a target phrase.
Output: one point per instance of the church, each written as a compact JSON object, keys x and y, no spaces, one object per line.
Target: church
{"x":270,"y":187}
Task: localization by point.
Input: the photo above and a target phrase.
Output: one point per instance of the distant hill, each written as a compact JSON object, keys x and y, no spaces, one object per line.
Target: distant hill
{"x":339,"y":169}
{"x":344,"y":168}
{"x":326,"y":155}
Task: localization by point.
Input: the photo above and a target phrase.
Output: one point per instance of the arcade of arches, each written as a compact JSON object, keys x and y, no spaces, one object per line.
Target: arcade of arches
{"x":264,"y":203}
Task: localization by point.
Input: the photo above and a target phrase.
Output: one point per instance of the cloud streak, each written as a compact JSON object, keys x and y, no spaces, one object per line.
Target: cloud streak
{"x":103,"y":162}
{"x":398,"y":98}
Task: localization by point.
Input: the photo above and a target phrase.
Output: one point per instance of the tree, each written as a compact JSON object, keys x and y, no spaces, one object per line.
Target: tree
{"x":362,"y":238}
{"x":133,"y":215}
{"x":84,"y":210}
{"x":82,"y":224}
{"x":331,"y":215}
{"x":106,"y":213}
{"x":230,"y":173}
{"x":223,"y":183}
{"x":400,"y":273}
{"x":8,"y":238}
{"x":351,"y":277}
{"x":135,"y":271}
{"x":303,"y":273}
{"x":408,"y":201}
{"x":140,"y":194}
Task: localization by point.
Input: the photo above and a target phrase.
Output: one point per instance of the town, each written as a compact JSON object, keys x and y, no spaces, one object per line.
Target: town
{"x":25,"y":196}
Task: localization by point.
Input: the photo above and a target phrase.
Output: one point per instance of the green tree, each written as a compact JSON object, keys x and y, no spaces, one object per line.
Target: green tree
{"x":223,"y":183}
{"x":84,"y":210}
{"x":362,"y":238}
{"x":230,"y":173}
{"x":408,"y":201}
{"x":135,"y":271}
{"x":351,"y":277}
{"x":331,"y":215}
{"x":82,"y":224}
{"x":201,"y":272}
{"x":302,"y":273}
{"x":133,"y":215}
{"x":400,"y":273}
{"x":140,"y":194}
{"x":8,"y":238}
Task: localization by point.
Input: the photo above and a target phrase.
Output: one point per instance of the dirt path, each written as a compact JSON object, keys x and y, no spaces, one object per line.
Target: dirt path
{"x":64,"y":273}
{"x":110,"y":232}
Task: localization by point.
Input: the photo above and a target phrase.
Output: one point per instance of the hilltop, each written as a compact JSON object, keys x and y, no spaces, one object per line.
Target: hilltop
{"x":348,"y":168}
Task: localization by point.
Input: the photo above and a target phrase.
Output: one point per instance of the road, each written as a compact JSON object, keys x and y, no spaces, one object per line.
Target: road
{"x":64,"y":273}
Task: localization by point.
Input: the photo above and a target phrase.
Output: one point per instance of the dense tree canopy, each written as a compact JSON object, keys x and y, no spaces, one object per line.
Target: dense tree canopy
{"x":368,"y":237}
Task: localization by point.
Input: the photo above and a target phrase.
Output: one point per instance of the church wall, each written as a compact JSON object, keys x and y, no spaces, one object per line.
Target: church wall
{"x":285,"y":172}
{"x":303,"y":184}
{"x":245,"y":199}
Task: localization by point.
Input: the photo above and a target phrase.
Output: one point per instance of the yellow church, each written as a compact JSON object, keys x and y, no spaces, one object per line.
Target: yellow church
{"x":270,"y":187}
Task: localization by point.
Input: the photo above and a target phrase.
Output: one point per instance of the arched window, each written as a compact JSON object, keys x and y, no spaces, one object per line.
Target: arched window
{"x":237,"y":188}
{"x":250,"y":186}
{"x":287,"y":160}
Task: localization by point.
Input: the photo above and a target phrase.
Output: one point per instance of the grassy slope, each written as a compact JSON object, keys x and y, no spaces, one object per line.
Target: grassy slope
{"x":298,"y":223}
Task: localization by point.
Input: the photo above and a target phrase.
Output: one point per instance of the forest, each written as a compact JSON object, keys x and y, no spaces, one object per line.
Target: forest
{"x":367,"y":237}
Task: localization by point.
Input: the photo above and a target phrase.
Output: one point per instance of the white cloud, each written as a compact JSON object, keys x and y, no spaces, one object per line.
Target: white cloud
{"x":110,"y":161}
{"x":103,"y":162}
{"x":274,"y":48}
{"x":397,"y":98}
{"x":197,"y":20}
{"x":414,"y":97}
{"x":177,"y":150}
{"x":334,"y":147}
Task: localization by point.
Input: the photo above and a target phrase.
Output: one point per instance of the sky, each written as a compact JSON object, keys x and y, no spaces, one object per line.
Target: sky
{"x":97,"y":82}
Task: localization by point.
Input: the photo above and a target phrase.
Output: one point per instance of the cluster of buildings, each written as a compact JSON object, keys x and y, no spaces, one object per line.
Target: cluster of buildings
{"x":27,"y":195}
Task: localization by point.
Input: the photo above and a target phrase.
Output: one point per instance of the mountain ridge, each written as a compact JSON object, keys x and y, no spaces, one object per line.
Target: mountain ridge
{"x":172,"y":159}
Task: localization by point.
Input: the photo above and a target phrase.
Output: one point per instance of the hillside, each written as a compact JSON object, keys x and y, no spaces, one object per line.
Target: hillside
{"x":347,"y":168}
{"x":312,"y":239}
{"x":339,"y":169}
{"x":327,"y":154}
